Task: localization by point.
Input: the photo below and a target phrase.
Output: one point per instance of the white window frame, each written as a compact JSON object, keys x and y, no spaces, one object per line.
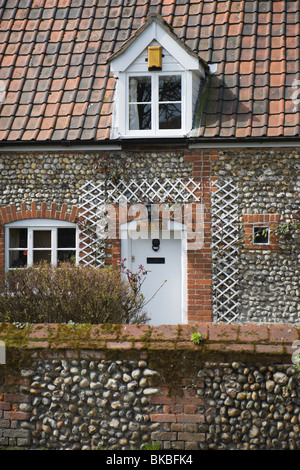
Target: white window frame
{"x":39,"y":224}
{"x":186,"y":105}
{"x":155,"y":105}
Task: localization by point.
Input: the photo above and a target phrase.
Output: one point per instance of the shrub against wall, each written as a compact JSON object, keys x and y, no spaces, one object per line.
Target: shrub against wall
{"x":68,"y":293}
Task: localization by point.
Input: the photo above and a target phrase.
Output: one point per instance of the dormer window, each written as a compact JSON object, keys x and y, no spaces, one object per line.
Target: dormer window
{"x":158,"y":84}
{"x":154,"y":103}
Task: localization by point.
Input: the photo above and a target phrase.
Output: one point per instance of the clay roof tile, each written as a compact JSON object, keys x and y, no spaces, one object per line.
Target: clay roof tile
{"x":54,"y":64}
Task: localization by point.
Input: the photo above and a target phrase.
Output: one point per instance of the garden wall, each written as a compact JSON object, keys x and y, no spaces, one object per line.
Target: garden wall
{"x":121,"y":387}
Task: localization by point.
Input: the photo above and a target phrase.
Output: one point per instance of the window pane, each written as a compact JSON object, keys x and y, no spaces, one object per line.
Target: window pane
{"x":66,"y":255}
{"x":170,"y":88}
{"x":139,"y":89}
{"x":260,"y":235}
{"x":18,"y":238}
{"x":139,"y":116}
{"x":170,"y":116}
{"x":42,"y":239}
{"x":43,"y":255}
{"x":17,"y":259}
{"x":66,"y":238}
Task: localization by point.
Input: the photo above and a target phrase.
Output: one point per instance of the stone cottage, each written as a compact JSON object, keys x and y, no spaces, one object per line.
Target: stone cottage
{"x":161,"y":132}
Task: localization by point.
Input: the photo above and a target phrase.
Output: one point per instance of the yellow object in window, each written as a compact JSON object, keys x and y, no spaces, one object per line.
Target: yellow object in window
{"x":154,"y":58}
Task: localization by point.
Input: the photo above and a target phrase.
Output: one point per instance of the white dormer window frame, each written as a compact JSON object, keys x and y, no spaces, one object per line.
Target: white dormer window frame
{"x":177,"y":61}
{"x":124,"y":101}
{"x":131,"y":125}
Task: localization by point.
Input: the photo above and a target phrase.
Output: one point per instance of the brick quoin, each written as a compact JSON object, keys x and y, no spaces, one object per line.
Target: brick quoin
{"x":199,"y":262}
{"x":181,"y":415}
{"x":11,"y":416}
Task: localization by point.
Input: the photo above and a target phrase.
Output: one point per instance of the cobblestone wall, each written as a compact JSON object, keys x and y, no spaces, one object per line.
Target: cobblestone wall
{"x":49,"y":185}
{"x":57,"y":177}
{"x":124,"y":387}
{"x":267,"y":183}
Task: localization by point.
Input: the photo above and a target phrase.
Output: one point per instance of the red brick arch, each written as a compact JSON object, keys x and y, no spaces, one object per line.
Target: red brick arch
{"x":10,"y":214}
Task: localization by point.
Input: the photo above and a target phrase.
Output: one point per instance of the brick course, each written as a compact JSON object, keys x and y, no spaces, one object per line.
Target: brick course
{"x":173,"y":337}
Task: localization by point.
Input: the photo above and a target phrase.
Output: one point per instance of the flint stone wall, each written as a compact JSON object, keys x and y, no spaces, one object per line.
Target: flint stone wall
{"x":58,"y":177}
{"x":267,"y":182}
{"x":119,"y":388}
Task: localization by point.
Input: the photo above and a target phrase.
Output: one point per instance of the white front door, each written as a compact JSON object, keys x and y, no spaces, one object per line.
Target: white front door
{"x":163,"y":286}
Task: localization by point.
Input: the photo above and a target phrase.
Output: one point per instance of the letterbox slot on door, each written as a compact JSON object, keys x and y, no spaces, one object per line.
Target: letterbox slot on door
{"x":155,"y":260}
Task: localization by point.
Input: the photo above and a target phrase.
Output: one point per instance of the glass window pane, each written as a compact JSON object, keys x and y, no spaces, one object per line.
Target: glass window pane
{"x":42,"y":239}
{"x":17,"y":259}
{"x":261,"y":235}
{"x":139,"y":116}
{"x":170,"y":88}
{"x":42,"y":255}
{"x":170,"y":116}
{"x":66,"y":238}
{"x":18,"y":238}
{"x":66,"y":255}
{"x":139,"y":89}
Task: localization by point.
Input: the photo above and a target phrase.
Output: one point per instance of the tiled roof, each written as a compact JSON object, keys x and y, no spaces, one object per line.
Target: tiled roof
{"x":58,"y":86}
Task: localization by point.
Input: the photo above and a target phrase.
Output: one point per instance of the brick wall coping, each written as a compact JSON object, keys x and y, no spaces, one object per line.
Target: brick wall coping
{"x":226,"y":338}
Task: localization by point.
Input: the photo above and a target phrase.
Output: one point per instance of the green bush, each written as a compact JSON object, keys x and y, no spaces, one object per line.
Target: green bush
{"x":68,"y":293}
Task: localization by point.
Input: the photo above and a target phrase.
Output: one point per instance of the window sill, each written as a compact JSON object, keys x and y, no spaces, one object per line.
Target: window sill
{"x":152,"y":136}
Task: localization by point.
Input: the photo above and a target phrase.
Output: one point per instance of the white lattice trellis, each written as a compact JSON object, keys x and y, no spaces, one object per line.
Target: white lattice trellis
{"x":225,"y":235}
{"x":96,"y":196}
{"x":156,"y":190}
